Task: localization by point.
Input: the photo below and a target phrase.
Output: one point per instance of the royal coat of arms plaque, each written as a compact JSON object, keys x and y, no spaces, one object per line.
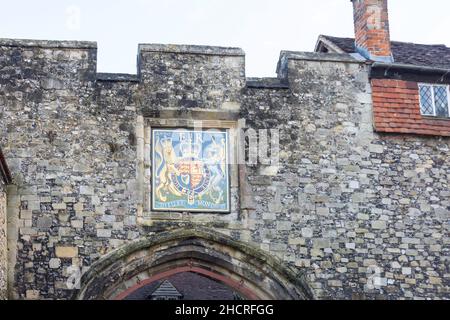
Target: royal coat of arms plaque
{"x":190,"y":170}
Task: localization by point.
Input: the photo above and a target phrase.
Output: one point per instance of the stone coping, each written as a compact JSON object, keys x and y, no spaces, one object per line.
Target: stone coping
{"x":267,"y":83}
{"x":318,"y":56}
{"x":153,"y":47}
{"x":104,"y":76}
{"x":48,"y":43}
{"x":191,"y":49}
{"x":285,"y":56}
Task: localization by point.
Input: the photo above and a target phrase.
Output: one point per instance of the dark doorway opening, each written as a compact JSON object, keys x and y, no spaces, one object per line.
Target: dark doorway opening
{"x":185,"y":286}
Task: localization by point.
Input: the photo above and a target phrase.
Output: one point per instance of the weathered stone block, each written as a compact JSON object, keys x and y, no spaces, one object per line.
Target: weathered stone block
{"x":375,"y":148}
{"x":335,"y":283}
{"x":307,"y":232}
{"x":86,"y":190}
{"x":54,"y":263}
{"x":44,"y":223}
{"x":32,"y":294}
{"x":66,"y":252}
{"x":379,"y":225}
{"x":321,"y":243}
{"x":103,"y":233}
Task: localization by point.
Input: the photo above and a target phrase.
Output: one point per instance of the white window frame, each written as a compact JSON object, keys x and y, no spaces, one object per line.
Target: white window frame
{"x":432,"y":86}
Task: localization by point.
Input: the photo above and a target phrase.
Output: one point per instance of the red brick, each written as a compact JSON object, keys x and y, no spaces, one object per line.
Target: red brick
{"x":396,"y":109}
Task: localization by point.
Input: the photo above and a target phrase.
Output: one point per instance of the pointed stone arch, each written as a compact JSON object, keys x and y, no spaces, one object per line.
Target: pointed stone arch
{"x":248,"y":270}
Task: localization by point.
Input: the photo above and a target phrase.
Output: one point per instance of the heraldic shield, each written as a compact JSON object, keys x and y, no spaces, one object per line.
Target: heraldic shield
{"x":190,"y":170}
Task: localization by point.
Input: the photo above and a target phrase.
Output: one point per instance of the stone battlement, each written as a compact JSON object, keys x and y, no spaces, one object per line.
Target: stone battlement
{"x":191,"y":49}
{"x":48,"y":44}
{"x":145,"y":50}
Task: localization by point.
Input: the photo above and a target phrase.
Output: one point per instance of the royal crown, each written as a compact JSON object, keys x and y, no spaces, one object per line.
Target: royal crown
{"x":189,"y":147}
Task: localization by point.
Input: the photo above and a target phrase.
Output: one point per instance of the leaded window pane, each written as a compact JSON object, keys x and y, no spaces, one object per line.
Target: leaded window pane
{"x":441,"y":101}
{"x":426,"y":100}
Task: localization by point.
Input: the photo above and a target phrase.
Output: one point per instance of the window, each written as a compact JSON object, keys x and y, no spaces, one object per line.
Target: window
{"x":434,"y":100}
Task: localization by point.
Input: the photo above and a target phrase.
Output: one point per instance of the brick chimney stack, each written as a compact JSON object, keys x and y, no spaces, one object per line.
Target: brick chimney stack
{"x":372,"y":29}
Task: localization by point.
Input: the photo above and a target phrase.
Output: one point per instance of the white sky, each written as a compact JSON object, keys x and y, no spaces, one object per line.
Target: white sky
{"x":261,"y":27}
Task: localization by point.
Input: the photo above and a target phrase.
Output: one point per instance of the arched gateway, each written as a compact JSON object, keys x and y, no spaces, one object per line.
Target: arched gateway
{"x":247,"y":270}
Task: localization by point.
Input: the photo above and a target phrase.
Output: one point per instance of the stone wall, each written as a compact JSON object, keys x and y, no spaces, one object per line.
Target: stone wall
{"x":3,"y":242}
{"x":364,"y":215}
{"x":354,"y":207}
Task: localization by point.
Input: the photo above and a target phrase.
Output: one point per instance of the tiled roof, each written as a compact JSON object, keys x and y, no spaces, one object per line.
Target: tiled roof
{"x":428,"y":55}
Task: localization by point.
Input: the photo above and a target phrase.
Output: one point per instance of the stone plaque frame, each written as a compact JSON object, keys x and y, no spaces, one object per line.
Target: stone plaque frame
{"x":145,"y":215}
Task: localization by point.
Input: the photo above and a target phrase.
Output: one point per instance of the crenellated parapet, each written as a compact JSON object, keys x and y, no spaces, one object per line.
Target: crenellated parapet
{"x":189,"y":76}
{"x":55,"y":64}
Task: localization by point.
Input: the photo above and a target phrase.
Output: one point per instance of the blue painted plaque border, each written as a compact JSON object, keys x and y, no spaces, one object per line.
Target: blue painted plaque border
{"x":155,"y":171}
